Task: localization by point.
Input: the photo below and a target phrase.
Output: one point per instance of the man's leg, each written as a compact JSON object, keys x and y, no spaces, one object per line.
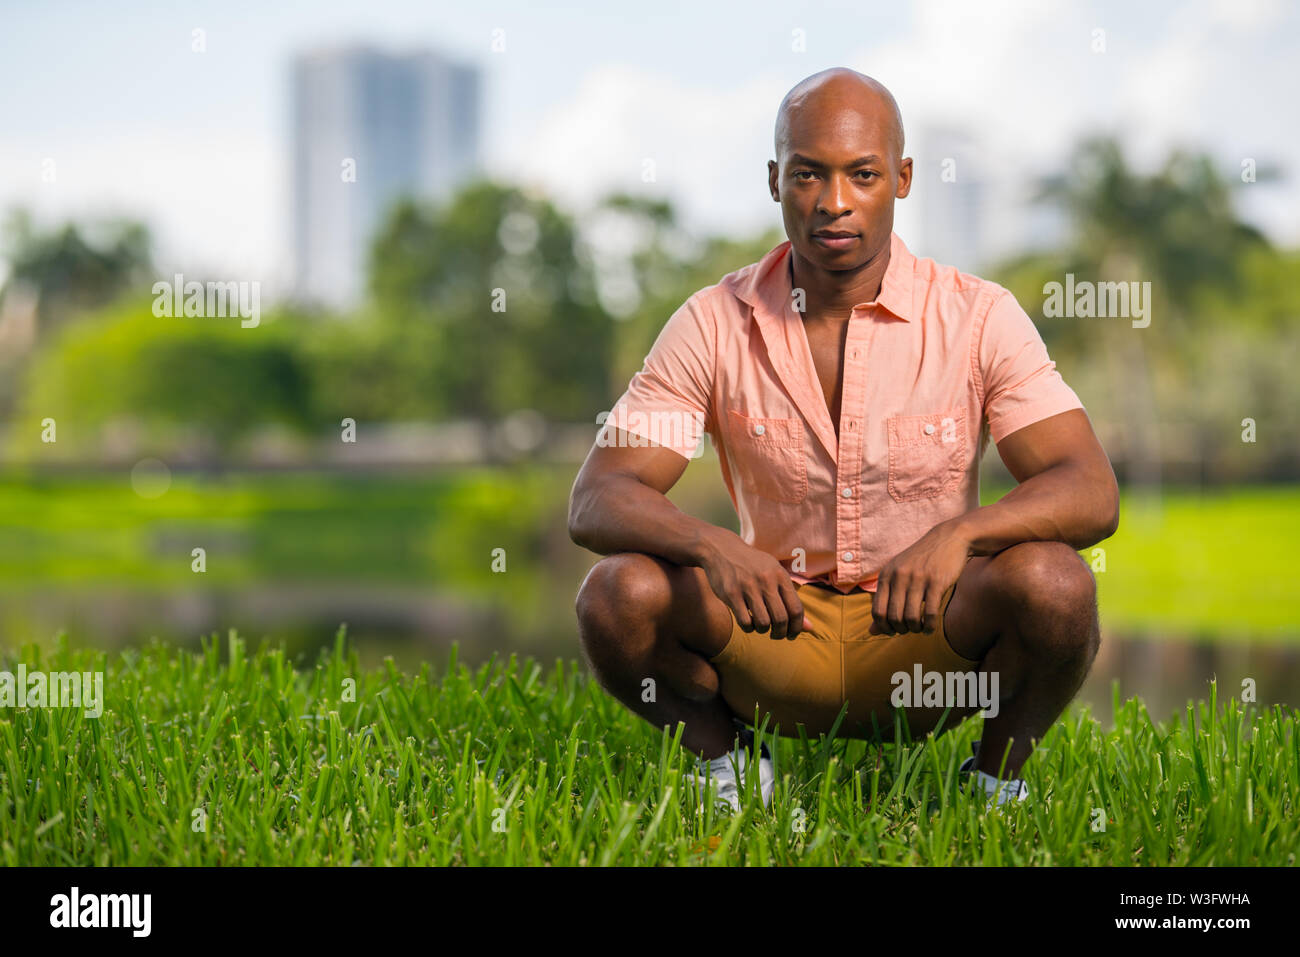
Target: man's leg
{"x":641,"y":617}
{"x":1029,"y":614}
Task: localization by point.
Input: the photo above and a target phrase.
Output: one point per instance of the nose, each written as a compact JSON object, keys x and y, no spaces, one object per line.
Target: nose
{"x":833,"y":200}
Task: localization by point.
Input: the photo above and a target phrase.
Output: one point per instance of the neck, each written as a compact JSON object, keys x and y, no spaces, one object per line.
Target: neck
{"x":832,"y":294}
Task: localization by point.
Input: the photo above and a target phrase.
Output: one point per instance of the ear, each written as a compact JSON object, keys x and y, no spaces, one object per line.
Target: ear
{"x":904,"y":178}
{"x":772,"y":182}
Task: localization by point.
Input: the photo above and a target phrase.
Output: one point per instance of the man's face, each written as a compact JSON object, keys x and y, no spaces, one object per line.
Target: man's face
{"x":839,"y":172}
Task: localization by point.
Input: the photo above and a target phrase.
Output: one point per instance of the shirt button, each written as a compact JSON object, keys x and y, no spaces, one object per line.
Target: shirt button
{"x":929,"y":428}
{"x":759,"y":430}
{"x":848,"y":556}
{"x":847,"y":493}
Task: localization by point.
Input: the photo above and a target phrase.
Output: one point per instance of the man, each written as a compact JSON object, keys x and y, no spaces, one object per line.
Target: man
{"x":850,"y":389}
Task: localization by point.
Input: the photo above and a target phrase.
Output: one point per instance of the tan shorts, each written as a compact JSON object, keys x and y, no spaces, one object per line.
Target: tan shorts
{"x":808,"y":678}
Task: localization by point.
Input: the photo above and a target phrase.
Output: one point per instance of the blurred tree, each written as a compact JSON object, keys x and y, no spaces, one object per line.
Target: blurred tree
{"x":646,"y":266}
{"x":373,"y":367}
{"x":171,"y":383}
{"x":494,"y":285}
{"x":1176,"y":228}
{"x":70,"y":273}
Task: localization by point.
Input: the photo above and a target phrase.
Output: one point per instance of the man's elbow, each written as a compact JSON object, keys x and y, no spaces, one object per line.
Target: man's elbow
{"x":1099,"y":519}
{"x":580,"y":513}
{"x":1108,"y":510}
{"x":1112,"y":524}
{"x":577,"y":532}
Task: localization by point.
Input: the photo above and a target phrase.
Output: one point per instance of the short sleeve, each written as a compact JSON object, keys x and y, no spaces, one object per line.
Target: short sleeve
{"x":668,"y":400}
{"x":1021,"y":384}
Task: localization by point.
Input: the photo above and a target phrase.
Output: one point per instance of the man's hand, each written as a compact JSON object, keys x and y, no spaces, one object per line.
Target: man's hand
{"x":619,"y":504}
{"x":1066,"y":493}
{"x":753,"y":584}
{"x":918,"y":576}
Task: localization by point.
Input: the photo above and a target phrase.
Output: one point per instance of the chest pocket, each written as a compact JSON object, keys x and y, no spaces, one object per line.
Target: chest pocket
{"x":767,"y":456}
{"x":927,"y":454}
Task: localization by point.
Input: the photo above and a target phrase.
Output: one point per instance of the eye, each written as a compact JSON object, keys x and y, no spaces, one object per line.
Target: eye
{"x":868,"y":172}
{"x":802,"y":172}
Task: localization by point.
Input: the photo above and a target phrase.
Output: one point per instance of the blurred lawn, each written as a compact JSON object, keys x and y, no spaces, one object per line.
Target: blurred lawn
{"x":1217,"y":564}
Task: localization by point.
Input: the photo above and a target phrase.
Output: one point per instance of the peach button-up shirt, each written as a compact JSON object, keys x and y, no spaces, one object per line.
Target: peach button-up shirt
{"x":937,"y":363}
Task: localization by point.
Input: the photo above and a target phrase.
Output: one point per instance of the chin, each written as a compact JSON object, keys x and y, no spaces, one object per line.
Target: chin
{"x":836,"y":261}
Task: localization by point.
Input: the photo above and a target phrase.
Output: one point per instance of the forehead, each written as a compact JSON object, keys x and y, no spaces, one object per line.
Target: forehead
{"x":817,"y":130}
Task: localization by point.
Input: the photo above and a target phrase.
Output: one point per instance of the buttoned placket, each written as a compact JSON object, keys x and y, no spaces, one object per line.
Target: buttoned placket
{"x":846,"y":449}
{"x":798,"y":373}
{"x":848,"y":460}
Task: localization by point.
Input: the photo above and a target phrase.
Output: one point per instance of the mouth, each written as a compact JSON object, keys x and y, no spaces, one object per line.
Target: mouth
{"x":835,"y":239}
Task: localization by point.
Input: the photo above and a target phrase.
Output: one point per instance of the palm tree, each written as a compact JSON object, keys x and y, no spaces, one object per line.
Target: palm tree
{"x":1175,"y":228}
{"x":68,"y":274}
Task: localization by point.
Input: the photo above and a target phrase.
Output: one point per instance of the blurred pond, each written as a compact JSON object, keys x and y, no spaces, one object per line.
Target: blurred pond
{"x":482,"y":557}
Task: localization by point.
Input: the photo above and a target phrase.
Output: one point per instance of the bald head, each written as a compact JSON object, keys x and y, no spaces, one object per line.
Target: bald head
{"x":838,"y":89}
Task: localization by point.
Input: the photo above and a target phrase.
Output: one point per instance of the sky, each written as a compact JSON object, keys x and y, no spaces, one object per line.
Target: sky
{"x":137,"y":123}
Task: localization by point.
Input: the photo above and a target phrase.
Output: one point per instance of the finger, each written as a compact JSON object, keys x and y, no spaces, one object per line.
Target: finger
{"x":776,"y":612}
{"x":933,"y":599}
{"x":894,"y":611}
{"x":793,"y":608}
{"x":879,"y":606}
{"x":758,"y":610}
{"x":736,"y":602}
{"x":912,"y":607}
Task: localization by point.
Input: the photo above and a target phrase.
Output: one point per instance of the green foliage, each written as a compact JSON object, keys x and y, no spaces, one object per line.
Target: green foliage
{"x":496,"y":274}
{"x":1224,"y":336}
{"x":249,"y":759}
{"x":583,"y":307}
{"x":205,"y":375}
{"x":74,"y":267}
{"x":1177,"y":227}
{"x":372,"y":368}
{"x":666,"y":281}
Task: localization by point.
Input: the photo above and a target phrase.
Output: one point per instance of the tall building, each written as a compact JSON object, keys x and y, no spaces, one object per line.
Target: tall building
{"x":952,"y":193}
{"x":369,"y":127}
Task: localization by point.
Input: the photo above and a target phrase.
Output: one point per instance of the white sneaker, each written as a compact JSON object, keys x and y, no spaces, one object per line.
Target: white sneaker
{"x":999,"y":792}
{"x":726,"y":773}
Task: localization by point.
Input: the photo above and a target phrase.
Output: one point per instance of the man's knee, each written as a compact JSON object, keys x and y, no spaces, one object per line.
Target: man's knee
{"x":621,"y":591}
{"x":1052,"y":592}
{"x":621,"y":606}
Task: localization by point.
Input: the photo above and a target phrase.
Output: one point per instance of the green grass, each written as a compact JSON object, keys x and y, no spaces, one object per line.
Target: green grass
{"x":511,"y":764}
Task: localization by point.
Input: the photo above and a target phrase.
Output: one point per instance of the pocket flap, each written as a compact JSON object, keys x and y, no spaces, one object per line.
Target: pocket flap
{"x":778,"y":433}
{"x":935,"y":428}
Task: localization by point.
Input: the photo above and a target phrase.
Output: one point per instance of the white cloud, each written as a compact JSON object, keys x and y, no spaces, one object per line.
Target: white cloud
{"x":1022,"y":77}
{"x":213,"y":203}
{"x":707,"y":149}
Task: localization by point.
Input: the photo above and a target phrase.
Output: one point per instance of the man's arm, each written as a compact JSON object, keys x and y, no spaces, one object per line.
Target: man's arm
{"x":619,"y":504}
{"x":1067,"y":493}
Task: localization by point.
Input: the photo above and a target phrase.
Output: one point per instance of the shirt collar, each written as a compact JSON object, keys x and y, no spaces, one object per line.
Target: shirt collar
{"x":766,"y":285}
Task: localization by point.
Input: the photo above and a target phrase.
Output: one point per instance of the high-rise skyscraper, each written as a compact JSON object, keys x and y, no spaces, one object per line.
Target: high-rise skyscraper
{"x":951,"y":186}
{"x":369,"y":127}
